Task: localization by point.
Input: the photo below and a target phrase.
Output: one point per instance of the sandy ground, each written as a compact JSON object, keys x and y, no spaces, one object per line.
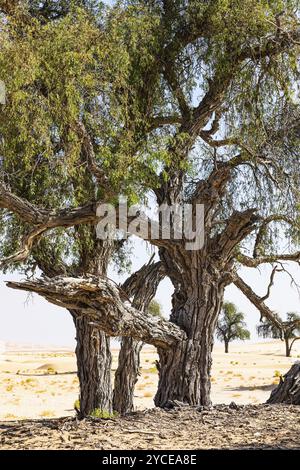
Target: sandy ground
{"x":43,"y":384}
{"x":222,"y":427}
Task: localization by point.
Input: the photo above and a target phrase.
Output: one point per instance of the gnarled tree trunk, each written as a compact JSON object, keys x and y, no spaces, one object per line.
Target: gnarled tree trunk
{"x":288,"y":390}
{"x":93,"y":366}
{"x":142,"y":286}
{"x":93,"y":345}
{"x":126,"y":375}
{"x":184,"y":372}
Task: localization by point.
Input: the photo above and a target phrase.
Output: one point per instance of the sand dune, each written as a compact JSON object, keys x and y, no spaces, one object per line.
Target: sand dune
{"x":37,"y":384}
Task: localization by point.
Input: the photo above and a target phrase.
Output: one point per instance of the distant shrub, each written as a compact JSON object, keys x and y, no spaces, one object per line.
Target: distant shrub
{"x":77,"y":405}
{"x":47,"y":414}
{"x":10,"y":416}
{"x":103,"y":414}
{"x":97,"y":412}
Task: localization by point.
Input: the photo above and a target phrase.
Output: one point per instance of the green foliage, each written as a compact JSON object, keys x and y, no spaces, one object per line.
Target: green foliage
{"x":55,"y":73}
{"x":71,"y":61}
{"x":97,"y":412}
{"x":289,"y":330}
{"x":77,"y":405}
{"x":231,"y":324}
{"x":103,"y":414}
{"x":155,"y":308}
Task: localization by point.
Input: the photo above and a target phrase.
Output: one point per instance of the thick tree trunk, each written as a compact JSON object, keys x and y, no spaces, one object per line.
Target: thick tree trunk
{"x":142,"y":287}
{"x":184,"y":372}
{"x":288,"y":390}
{"x":94,"y":367}
{"x":126,"y":375}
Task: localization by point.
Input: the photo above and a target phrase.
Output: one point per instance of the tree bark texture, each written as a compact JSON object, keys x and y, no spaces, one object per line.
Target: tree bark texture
{"x":126,"y":375}
{"x":92,"y":345}
{"x":94,"y":366}
{"x":184,"y":371}
{"x":288,"y":390}
{"x":107,"y":307}
{"x":141,"y":287}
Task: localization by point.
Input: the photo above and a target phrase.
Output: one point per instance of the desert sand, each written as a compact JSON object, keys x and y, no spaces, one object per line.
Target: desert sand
{"x":184,"y":428}
{"x":37,"y":384}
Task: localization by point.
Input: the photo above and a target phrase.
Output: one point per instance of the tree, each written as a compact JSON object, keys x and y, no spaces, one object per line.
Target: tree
{"x":77,"y":251}
{"x":141,"y":287}
{"x":288,"y":389}
{"x":155,"y":308}
{"x":231,"y":325}
{"x":288,"y":330}
{"x":197,"y":105}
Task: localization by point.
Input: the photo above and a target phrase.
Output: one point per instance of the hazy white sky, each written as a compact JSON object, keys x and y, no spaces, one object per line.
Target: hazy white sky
{"x":33,"y":320}
{"x":30,"y":319}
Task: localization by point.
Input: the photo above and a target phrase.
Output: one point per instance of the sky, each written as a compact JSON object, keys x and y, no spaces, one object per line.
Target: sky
{"x":32,"y":320}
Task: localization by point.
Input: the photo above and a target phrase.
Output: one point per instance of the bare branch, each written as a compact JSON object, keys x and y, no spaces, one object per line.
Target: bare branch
{"x":142,"y":285}
{"x":255,"y":262}
{"x":44,"y":220}
{"x":257,"y":301}
{"x":264,"y":224}
{"x":27,"y":211}
{"x":238,"y":226}
{"x":88,"y":149}
{"x":217,"y":143}
{"x":218,"y":85}
{"x":25,"y":248}
{"x":174,"y":84}
{"x":271,"y":283}
{"x":103,"y":302}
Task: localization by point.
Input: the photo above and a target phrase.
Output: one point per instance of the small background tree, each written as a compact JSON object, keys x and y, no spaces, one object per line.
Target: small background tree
{"x":289,"y":331}
{"x":155,"y":308}
{"x":231,"y":325}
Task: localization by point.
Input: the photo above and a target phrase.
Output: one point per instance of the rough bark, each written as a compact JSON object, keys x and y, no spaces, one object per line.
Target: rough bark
{"x":126,"y":375}
{"x":141,"y":287}
{"x":256,"y":300}
{"x":107,"y":306}
{"x":288,"y":390}
{"x":198,"y":291}
{"x":92,"y":346}
{"x":184,"y":371}
{"x":199,"y":278}
{"x":94,"y":366}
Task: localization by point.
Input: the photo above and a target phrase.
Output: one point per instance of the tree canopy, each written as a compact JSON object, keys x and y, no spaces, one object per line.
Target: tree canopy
{"x":287,"y":330}
{"x":156,"y":85}
{"x":185,"y":101}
